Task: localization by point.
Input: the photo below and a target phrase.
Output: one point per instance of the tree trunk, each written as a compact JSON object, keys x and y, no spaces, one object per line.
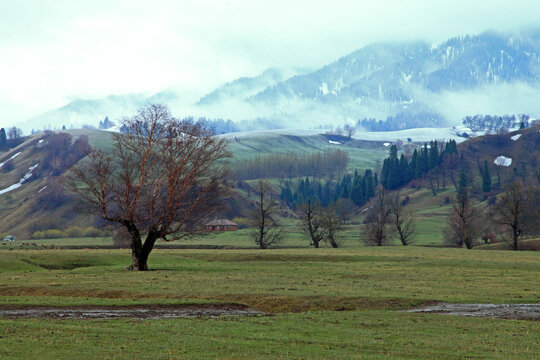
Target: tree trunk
{"x":333,"y":242}
{"x":140,"y":252}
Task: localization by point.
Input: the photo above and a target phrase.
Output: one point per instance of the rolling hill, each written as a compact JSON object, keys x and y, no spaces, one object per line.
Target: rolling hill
{"x":40,"y":202}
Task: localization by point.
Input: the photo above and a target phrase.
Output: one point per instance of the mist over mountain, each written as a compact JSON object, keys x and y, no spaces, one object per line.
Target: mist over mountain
{"x":386,"y":79}
{"x":487,"y":73}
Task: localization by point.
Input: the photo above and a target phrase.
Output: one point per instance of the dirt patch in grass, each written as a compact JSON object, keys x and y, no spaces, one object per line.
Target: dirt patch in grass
{"x":503,"y":311}
{"x":132,"y":312}
{"x":261,"y":302}
{"x":298,"y":304}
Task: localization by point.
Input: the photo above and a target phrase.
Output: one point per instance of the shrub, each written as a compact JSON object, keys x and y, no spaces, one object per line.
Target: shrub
{"x":40,"y":234}
{"x":242,"y":222}
{"x":75,"y":231}
{"x":405,"y":200}
{"x":93,"y":232}
{"x":55,"y":234}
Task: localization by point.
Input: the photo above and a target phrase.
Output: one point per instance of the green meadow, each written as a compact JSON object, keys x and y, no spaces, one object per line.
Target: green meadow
{"x":319,"y":303}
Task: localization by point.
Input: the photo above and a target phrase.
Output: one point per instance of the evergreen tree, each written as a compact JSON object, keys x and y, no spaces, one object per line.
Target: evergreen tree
{"x":327,"y":194}
{"x":422,"y":162}
{"x":433,"y":160}
{"x":320,"y":193}
{"x":3,"y":138}
{"x":463,"y":189}
{"x":357,"y":195}
{"x":404,"y":170}
{"x":486,"y":178}
{"x":451,"y":147}
{"x":301,"y":187}
{"x":385,"y":173}
{"x":413,"y":165}
{"x":370,"y":184}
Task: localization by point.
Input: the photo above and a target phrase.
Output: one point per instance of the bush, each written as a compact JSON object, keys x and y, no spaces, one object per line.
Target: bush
{"x":93,"y":232}
{"x":40,"y":234}
{"x":75,"y":231}
{"x":405,"y":200}
{"x":242,"y":222}
{"x":72,"y":231}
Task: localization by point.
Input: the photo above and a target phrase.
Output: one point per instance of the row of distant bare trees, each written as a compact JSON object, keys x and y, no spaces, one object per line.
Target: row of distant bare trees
{"x":514,"y":214}
{"x":291,"y":165}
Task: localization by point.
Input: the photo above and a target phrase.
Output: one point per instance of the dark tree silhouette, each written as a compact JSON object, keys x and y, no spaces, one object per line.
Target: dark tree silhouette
{"x":163,"y":179}
{"x":311,"y":221}
{"x":378,"y":218}
{"x":516,"y":211}
{"x":463,"y":224}
{"x":403,"y":223}
{"x":266,"y":231}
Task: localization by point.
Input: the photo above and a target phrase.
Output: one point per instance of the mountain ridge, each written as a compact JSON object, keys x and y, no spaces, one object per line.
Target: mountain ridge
{"x":440,"y":83}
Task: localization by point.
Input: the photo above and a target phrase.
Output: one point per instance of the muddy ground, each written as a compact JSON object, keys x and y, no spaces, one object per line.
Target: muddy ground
{"x":503,"y":311}
{"x":138,"y":312}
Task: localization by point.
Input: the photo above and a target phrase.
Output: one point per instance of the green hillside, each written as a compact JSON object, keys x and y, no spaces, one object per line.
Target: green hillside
{"x":41,"y":203}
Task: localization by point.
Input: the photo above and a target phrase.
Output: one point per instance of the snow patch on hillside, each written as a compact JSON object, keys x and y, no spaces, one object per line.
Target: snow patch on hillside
{"x":11,"y":158}
{"x":115,"y":129}
{"x":21,"y":181}
{"x":502,"y":161}
{"x":324,"y":88}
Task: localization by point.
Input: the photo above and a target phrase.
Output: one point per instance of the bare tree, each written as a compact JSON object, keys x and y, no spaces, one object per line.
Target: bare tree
{"x":403,"y":223}
{"x":331,"y":224}
{"x":377,"y":218}
{"x":349,"y":130}
{"x":464,"y":223}
{"x":311,"y":221}
{"x":163,"y":178}
{"x":14,"y":133}
{"x":516,"y":211}
{"x":266,"y":231}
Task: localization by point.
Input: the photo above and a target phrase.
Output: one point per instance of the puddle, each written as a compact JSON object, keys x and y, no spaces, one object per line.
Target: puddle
{"x":503,"y":311}
{"x":131,"y":312}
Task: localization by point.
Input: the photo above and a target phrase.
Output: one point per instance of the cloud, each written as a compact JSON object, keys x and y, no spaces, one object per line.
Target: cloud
{"x":53,"y":51}
{"x":514,"y":98}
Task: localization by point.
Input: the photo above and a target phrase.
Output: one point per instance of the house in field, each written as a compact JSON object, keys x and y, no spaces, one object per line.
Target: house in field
{"x":221,"y":225}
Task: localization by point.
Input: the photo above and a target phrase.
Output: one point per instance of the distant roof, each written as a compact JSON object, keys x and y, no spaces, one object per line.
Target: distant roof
{"x":218,"y":222}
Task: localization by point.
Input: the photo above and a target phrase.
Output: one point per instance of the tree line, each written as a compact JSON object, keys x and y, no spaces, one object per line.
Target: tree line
{"x":494,"y":123}
{"x":291,"y":165}
{"x":401,"y":121}
{"x":356,"y":188}
{"x":10,"y":138}
{"x":398,"y":171}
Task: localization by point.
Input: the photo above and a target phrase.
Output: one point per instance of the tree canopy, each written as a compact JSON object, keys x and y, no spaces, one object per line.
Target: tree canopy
{"x":163,"y":179}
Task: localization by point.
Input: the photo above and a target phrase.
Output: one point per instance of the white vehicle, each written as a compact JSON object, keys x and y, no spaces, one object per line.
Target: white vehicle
{"x":9,"y":238}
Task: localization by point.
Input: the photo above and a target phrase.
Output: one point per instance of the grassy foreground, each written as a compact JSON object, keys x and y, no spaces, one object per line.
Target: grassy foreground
{"x":324,"y":303}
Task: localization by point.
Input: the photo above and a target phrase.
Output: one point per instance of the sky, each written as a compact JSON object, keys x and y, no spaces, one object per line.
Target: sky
{"x":53,"y":51}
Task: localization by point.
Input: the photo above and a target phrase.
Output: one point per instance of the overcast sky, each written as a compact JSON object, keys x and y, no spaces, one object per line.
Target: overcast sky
{"x":54,"y":51}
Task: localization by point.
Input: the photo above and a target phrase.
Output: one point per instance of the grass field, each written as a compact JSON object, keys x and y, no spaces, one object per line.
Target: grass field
{"x":324,"y":303}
